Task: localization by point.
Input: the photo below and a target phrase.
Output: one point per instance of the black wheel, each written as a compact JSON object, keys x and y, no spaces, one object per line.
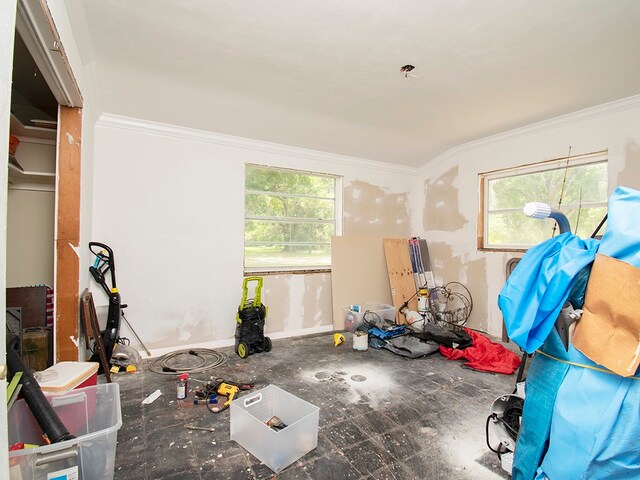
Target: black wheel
{"x":267,"y":344}
{"x":243,"y":350}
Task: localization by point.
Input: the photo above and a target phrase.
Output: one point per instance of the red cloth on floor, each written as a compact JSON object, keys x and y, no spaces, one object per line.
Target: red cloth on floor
{"x":485,"y":355}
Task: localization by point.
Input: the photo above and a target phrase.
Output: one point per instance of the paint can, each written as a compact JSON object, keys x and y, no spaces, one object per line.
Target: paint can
{"x":360,"y":340}
{"x":423,"y":300}
{"x":181,"y":386}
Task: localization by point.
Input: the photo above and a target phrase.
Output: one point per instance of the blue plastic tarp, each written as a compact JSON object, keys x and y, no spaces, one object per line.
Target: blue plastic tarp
{"x":540,"y":284}
{"x":579,"y":422}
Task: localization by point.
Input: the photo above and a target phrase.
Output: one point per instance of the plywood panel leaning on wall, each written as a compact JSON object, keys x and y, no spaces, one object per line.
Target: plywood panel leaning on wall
{"x":401,"y":279}
{"x":358,"y":274}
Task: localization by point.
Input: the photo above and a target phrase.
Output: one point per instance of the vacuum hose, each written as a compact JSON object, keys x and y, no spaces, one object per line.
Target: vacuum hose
{"x":542,"y":210}
{"x":44,"y":414}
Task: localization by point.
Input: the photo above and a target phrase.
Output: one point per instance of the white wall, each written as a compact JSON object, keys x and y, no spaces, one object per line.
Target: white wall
{"x":7,"y":31}
{"x":449,"y":219}
{"x":170,"y":202}
{"x":30,"y":220}
{"x":30,"y":238}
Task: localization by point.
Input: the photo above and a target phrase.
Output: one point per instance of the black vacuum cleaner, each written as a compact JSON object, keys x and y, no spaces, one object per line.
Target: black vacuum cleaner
{"x":105,"y":263}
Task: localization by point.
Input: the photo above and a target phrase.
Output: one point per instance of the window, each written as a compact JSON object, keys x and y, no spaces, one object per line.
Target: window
{"x":580,"y":182}
{"x":290,"y":217}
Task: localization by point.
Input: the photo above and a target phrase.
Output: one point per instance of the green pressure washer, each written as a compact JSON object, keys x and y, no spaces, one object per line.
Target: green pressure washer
{"x":250,"y":321}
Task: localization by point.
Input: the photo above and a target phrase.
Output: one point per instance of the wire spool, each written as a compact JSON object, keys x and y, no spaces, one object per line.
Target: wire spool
{"x":188,"y":360}
{"x":450,"y":305}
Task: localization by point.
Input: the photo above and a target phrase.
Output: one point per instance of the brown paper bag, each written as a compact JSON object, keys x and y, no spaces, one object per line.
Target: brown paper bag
{"x":609,"y":331}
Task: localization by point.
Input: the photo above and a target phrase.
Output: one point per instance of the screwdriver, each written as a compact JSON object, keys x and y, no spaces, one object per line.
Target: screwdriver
{"x":197,"y":401}
{"x":193,"y":427}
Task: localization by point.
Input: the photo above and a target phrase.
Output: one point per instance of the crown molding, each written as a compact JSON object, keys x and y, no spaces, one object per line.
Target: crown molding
{"x":168,"y":130}
{"x":616,"y":106}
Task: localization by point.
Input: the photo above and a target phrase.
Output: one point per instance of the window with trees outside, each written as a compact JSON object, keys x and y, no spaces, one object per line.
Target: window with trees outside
{"x":578,"y":184}
{"x":290,"y":217}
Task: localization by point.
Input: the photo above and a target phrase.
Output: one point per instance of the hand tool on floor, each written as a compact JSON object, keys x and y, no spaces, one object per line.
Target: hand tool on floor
{"x":193,"y":427}
{"x":227,"y":389}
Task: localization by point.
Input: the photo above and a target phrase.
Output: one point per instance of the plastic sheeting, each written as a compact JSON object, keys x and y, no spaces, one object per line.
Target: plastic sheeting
{"x":540,"y":284}
{"x":595,"y":427}
{"x":578,"y":422}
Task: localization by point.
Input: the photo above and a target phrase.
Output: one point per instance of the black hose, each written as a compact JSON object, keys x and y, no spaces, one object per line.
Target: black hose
{"x":41,"y":409}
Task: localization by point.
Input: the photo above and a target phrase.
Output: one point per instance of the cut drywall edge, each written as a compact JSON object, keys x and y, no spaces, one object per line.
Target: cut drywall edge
{"x":230,"y":342}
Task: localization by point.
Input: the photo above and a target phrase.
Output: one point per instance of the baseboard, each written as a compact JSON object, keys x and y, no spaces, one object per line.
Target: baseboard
{"x":230,"y":342}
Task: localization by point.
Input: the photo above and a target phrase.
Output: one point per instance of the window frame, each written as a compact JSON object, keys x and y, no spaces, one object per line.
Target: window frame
{"x":337,"y":220}
{"x":599,"y":157}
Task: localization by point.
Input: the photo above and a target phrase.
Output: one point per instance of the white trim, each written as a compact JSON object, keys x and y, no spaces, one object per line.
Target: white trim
{"x":41,"y":141}
{"x":547,"y":165}
{"x":621,"y":105}
{"x":215,"y":344}
{"x":37,"y":29}
{"x":167,"y":130}
{"x":300,"y":332}
{"x":230,"y":342}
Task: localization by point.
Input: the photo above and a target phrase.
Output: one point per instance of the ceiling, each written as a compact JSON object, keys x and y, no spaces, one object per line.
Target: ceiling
{"x":326,"y":75}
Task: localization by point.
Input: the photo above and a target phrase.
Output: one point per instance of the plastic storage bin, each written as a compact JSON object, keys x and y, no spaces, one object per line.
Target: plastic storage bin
{"x":379,"y":312}
{"x":92,"y":414}
{"x":277,"y":449}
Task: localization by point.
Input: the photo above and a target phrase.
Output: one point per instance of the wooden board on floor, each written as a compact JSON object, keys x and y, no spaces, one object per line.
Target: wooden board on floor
{"x":358,"y":274}
{"x":400,"y":274}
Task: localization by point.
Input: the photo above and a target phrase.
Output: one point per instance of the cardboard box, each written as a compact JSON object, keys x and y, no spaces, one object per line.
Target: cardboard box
{"x":609,"y":331}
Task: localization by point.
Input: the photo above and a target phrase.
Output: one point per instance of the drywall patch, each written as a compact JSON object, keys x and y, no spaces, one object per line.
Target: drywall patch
{"x":471,"y":273}
{"x":441,"y":210}
{"x":444,"y":264}
{"x":630,"y":175}
{"x":275,"y":295}
{"x":371,"y":210}
{"x":317,"y":300}
{"x":477,"y":284}
{"x":190,"y":327}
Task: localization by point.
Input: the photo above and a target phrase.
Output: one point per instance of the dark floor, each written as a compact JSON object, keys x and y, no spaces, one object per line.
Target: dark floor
{"x":381,"y":417}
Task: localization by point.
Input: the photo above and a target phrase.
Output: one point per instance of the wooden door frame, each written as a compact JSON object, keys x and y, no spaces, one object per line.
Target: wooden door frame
{"x":67,"y":234}
{"x":37,"y":28}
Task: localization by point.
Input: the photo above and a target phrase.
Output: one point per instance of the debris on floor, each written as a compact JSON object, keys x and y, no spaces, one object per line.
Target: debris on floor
{"x":378,"y":414}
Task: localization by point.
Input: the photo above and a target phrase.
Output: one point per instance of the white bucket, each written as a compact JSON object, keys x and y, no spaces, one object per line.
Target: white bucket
{"x":360,"y":340}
